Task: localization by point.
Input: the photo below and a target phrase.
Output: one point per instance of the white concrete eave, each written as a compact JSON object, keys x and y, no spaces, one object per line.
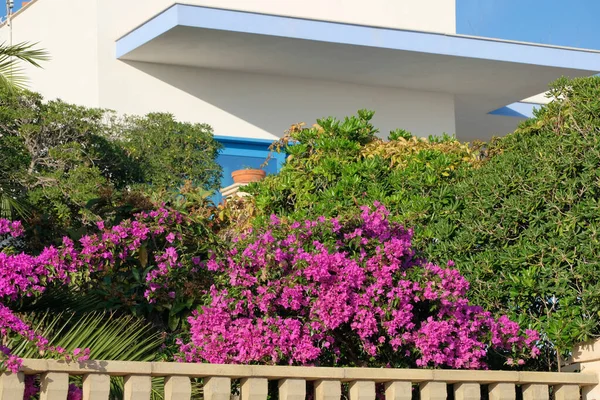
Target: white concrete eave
{"x":485,"y":75}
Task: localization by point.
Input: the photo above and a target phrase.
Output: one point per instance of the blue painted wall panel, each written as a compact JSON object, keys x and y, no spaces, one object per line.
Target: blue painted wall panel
{"x":238,"y":153}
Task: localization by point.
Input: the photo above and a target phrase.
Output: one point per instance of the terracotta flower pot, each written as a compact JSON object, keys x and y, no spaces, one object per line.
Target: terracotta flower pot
{"x":248,"y":175}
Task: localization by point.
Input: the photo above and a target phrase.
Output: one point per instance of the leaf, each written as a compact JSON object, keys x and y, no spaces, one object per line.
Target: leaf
{"x":143,"y":256}
{"x":174,"y":321}
{"x":11,"y":72}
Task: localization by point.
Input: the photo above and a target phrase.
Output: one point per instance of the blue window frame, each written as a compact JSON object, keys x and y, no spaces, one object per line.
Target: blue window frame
{"x":238,"y":153}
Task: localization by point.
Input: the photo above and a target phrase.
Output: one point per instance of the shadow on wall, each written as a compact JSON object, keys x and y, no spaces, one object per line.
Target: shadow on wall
{"x":272,"y":103}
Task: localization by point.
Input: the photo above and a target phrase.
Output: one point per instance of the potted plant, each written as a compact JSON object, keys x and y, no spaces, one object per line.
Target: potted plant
{"x":247,"y":175}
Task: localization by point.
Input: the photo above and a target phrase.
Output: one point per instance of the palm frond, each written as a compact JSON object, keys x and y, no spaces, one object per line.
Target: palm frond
{"x":11,"y":58}
{"x":108,"y":336}
{"x":65,"y":300}
{"x":11,"y":208}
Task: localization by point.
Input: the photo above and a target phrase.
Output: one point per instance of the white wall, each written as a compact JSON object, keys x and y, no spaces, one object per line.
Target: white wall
{"x":260,"y":106}
{"x":67,"y":29}
{"x":423,"y":15}
{"x":240,"y":104}
{"x":84,"y":69}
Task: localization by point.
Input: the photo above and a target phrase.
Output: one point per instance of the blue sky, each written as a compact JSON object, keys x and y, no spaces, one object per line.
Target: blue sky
{"x":3,"y":7}
{"x":558,"y":22}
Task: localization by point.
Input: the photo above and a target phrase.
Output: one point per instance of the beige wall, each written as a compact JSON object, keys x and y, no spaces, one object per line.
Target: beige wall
{"x":81,"y":35}
{"x":422,"y":15}
{"x":260,"y":106}
{"x":67,"y":29}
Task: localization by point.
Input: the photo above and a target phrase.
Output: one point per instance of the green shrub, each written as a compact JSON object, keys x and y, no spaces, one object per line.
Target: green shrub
{"x":66,"y":166}
{"x":525,"y":231}
{"x":336,"y":165}
{"x":169,"y":153}
{"x":520,"y":216}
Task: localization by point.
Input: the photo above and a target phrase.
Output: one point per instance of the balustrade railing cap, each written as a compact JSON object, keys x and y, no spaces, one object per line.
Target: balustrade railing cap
{"x":122,"y":368}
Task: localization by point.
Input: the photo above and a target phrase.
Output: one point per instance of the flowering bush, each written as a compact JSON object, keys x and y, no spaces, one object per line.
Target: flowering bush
{"x":326,"y":292}
{"x":25,"y":275}
{"x":145,"y":261}
{"x":149,"y":264}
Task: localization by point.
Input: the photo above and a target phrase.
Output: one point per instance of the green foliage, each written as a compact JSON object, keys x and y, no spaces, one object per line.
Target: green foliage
{"x":399,"y":133}
{"x":12,"y":76}
{"x":67,"y":166}
{"x":525,"y":231}
{"x":61,"y":158}
{"x":169,"y":153}
{"x":520,"y":216}
{"x":336,"y":165}
{"x":109,"y":337}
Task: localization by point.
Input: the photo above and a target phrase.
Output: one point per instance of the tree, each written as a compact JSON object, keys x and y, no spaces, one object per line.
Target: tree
{"x":67,"y":166}
{"x":525,"y":227}
{"x":170,"y":153}
{"x":12,"y":78}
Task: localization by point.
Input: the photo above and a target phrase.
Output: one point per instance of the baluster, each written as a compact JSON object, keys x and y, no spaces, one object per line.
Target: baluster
{"x":292,"y":389}
{"x":502,"y":391}
{"x":566,"y":392}
{"x":217,"y":388}
{"x":12,"y":386}
{"x":362,"y":390}
{"x":535,"y":392}
{"x":467,"y":391}
{"x":398,"y":391}
{"x":254,"y":389}
{"x":178,"y":388}
{"x":328,"y":390}
{"x":433,"y":391}
{"x":96,"y":387}
{"x":137,"y":387}
{"x":55,"y":386}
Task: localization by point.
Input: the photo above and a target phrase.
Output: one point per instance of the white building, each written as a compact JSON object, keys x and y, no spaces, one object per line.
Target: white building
{"x":250,"y":68}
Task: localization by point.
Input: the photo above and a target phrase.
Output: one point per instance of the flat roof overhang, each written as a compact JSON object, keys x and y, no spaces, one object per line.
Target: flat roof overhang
{"x":484,"y":75}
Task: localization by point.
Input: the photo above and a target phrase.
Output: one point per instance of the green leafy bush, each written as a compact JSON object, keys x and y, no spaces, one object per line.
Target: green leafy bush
{"x":169,"y":153}
{"x":66,"y":166}
{"x":519,"y":216}
{"x":525,"y":231}
{"x":335,"y":165}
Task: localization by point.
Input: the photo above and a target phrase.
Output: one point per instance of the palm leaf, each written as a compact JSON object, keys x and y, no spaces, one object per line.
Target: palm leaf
{"x":11,"y":208}
{"x":65,"y":300}
{"x":108,"y":336}
{"x":11,"y":58}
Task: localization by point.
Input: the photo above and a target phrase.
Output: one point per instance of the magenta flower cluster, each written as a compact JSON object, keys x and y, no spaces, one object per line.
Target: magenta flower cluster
{"x":344,"y":293}
{"x":26,"y":275}
{"x":12,"y":228}
{"x":116,"y":246}
{"x":32,"y":389}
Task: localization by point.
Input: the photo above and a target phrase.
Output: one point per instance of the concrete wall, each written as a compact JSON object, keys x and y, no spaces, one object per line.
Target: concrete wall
{"x":67,"y":29}
{"x":423,"y":15}
{"x":80,"y":35}
{"x":241,"y":104}
{"x":260,"y":106}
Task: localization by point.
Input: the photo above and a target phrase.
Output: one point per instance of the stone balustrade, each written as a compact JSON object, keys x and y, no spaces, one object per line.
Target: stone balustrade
{"x":233,"y":191}
{"x":295,"y":382}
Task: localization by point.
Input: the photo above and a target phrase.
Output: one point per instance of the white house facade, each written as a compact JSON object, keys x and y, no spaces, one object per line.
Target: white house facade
{"x":250,"y":68}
